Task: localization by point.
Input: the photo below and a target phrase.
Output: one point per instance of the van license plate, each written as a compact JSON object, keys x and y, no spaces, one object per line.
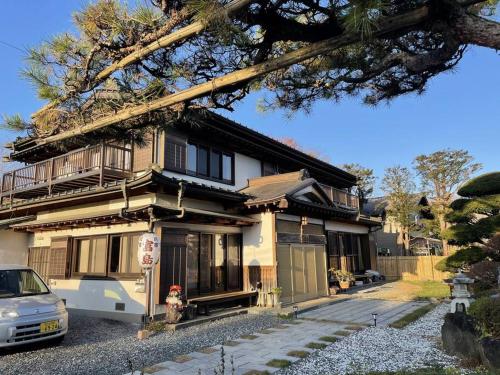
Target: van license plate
{"x":49,"y":326}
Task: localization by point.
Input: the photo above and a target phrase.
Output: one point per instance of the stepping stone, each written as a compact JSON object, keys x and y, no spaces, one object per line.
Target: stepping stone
{"x":231,"y":343}
{"x":248,"y":337}
{"x":266,"y":331}
{"x":153,"y":369}
{"x":182,"y":359}
{"x":207,"y":350}
{"x":280,"y":326}
{"x":256,"y":372}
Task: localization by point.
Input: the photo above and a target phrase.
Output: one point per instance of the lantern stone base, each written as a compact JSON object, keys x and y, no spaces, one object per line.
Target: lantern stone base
{"x":460,"y":304}
{"x":143,"y":334}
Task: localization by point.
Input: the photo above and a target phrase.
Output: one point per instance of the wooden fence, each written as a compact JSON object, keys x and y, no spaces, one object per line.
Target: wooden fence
{"x":411,"y":268}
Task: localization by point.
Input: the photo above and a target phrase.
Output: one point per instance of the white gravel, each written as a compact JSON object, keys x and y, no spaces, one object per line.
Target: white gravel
{"x":100,"y":346}
{"x":382,"y":349}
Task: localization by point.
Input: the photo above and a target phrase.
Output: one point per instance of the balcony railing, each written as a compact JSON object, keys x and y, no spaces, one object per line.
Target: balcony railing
{"x":341,"y":197}
{"x":88,"y":166}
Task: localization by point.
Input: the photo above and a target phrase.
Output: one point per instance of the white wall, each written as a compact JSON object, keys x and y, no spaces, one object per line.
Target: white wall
{"x":14,"y":247}
{"x":258,"y":242}
{"x":100,"y":295}
{"x":245,"y":167}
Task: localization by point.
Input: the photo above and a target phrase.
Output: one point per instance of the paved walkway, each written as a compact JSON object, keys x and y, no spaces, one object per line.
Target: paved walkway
{"x":250,"y":354}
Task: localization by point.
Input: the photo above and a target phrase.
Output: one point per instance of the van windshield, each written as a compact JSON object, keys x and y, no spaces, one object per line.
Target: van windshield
{"x":20,"y":283}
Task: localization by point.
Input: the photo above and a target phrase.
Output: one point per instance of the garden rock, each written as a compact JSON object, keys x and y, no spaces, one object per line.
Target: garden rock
{"x":490,"y":352}
{"x":459,"y":336}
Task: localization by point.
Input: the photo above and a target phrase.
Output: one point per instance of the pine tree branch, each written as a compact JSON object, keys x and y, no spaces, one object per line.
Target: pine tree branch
{"x":163,"y":42}
{"x":388,"y":25}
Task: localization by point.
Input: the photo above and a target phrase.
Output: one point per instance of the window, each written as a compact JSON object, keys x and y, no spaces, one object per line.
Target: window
{"x":215,"y":164}
{"x":20,"y":283}
{"x":202,"y":161}
{"x":191,"y":158}
{"x":175,"y":154}
{"x":103,"y":256}
{"x":269,"y":169}
{"x":123,"y":254}
{"x":91,"y":254}
{"x":227,"y":167}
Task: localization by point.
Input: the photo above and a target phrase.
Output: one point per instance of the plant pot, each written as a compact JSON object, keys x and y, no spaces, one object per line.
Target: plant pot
{"x":344,"y":284}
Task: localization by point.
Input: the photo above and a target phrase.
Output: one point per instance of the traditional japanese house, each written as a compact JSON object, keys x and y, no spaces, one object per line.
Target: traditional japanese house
{"x":235,"y":210}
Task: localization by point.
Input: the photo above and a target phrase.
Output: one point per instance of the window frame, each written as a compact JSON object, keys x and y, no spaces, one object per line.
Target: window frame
{"x":107,"y":275}
{"x":210,"y":150}
{"x":75,"y":256}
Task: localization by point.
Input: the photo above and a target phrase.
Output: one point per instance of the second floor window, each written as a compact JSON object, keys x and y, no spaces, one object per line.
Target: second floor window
{"x":199,"y":160}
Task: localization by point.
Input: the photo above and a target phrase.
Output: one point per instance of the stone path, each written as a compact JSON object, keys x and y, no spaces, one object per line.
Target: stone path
{"x":251,"y":354}
{"x":359,"y":311}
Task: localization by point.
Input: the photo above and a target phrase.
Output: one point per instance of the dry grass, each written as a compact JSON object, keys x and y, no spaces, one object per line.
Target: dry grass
{"x":316,"y":345}
{"x":298,"y":353}
{"x":411,"y":317}
{"x":279,"y":363}
{"x":328,"y":338}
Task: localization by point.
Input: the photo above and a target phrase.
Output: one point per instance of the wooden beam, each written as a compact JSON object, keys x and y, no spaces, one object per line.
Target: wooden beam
{"x":387,"y":25}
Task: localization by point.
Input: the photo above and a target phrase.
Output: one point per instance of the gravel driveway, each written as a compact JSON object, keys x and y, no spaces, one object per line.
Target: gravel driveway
{"x":100,"y":346}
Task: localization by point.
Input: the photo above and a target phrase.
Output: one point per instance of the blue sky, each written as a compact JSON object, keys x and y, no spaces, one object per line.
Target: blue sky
{"x":458,"y":110}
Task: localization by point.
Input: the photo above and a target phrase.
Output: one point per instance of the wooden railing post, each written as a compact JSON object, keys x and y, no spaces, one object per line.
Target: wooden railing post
{"x":101,"y":170}
{"x":1,"y":189}
{"x":12,"y":185}
{"x":50,"y":174}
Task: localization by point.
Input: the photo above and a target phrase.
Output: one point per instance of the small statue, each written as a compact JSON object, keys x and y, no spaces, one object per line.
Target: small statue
{"x":174,"y":305}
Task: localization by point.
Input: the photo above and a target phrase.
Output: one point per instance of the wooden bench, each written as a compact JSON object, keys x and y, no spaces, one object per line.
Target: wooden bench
{"x":204,"y":302}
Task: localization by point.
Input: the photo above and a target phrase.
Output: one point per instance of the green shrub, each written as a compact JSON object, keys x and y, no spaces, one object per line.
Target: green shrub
{"x":464,"y":257}
{"x":486,"y":313}
{"x":485,"y":184}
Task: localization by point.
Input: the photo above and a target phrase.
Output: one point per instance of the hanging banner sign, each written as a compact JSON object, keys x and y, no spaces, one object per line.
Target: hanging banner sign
{"x":149,"y":250}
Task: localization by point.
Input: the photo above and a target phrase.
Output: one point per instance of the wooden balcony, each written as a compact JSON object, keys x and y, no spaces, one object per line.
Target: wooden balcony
{"x":88,"y":166}
{"x":341,"y":197}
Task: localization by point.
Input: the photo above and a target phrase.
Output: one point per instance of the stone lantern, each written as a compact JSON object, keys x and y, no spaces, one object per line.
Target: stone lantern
{"x":461,"y":301}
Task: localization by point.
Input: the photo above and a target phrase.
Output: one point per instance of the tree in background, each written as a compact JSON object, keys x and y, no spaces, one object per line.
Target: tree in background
{"x":366,"y":180}
{"x":291,"y":142}
{"x":128,"y":67}
{"x":399,"y":187}
{"x":441,"y":173}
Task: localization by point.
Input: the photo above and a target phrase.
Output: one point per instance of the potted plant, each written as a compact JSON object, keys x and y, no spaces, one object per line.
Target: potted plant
{"x":276,"y":292}
{"x":343,"y":277}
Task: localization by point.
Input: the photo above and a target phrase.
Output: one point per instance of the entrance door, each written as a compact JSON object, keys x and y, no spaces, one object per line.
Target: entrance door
{"x":206,"y":261}
{"x":302,"y":272}
{"x":219,"y":269}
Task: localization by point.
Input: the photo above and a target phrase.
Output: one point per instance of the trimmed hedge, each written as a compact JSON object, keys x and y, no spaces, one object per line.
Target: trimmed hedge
{"x":486,"y":312}
{"x":462,"y":257}
{"x":485,"y":184}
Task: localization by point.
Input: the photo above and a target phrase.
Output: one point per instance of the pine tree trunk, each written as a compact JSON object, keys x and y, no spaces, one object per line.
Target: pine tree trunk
{"x":442,"y":227}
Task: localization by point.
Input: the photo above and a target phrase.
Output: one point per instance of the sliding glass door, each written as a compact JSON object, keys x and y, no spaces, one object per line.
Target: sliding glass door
{"x":214,"y":263}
